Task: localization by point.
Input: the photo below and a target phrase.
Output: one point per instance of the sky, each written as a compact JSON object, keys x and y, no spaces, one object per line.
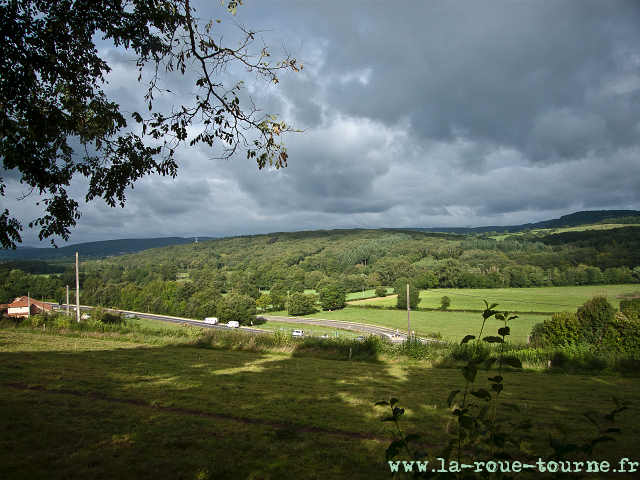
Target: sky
{"x":422,"y":113}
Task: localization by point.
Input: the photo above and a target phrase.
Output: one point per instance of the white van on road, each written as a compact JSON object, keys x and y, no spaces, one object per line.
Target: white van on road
{"x":233,"y":324}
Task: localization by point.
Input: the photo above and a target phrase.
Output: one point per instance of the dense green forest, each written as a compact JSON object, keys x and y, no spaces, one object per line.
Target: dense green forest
{"x":190,"y":280}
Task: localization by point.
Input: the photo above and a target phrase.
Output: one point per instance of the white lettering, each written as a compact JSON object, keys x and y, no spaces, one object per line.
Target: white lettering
{"x":565,"y":467}
{"x":622,"y":460}
{"x":408,"y":466}
{"x":541,"y":468}
{"x":592,"y":466}
{"x":394,"y":468}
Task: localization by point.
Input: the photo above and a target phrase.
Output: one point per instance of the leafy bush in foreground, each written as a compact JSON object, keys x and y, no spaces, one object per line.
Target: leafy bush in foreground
{"x":489,"y":435}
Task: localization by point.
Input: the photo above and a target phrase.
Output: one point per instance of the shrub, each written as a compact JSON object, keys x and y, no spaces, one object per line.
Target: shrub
{"x":105,"y":316}
{"x":381,"y":291}
{"x":630,"y":305}
{"x":562,"y":328}
{"x":34,"y":321}
{"x":595,"y":316}
{"x":62,"y":321}
{"x":445,"y":302}
{"x":623,"y":336}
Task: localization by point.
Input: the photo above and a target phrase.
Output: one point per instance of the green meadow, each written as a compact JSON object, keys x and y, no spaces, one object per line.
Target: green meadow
{"x":540,"y":299}
{"x":447,"y":325}
{"x":533,"y":305}
{"x":94,"y":408}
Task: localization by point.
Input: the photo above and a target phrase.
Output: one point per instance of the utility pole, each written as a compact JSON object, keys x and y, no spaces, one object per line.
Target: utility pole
{"x":77,"y":290}
{"x":28,"y":305}
{"x":67,"y":300}
{"x":408,"y":314}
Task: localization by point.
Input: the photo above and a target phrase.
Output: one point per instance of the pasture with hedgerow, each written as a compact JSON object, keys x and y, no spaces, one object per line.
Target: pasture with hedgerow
{"x":542,"y":374}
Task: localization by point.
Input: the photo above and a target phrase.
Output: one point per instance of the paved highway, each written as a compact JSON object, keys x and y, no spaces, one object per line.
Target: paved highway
{"x":165,"y":318}
{"x":364,"y":328}
{"x":384,"y":332}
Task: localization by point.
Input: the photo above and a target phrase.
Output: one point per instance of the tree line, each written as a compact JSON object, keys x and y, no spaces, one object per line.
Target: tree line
{"x":192,"y":280}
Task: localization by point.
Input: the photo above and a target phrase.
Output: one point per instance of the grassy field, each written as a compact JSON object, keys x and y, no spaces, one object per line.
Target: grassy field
{"x":450,"y":325}
{"x":153,"y":324}
{"x":543,"y":299}
{"x":454,"y":325}
{"x":546,"y":231}
{"x":92,"y":408}
{"x":533,"y":305}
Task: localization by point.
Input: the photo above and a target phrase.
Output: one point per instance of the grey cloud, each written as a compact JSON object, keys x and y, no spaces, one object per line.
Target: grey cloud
{"x":418,"y":113}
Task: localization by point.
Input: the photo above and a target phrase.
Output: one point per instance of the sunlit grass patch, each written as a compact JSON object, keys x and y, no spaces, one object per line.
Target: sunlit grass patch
{"x":100,"y":409}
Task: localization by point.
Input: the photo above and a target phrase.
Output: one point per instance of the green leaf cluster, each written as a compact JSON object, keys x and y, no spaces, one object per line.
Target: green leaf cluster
{"x":489,"y":429}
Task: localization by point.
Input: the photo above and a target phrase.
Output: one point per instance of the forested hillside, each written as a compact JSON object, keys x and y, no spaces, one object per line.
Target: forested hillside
{"x":190,"y":279}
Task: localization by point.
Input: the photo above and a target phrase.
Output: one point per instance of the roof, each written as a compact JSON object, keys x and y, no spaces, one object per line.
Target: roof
{"x":25,"y":301}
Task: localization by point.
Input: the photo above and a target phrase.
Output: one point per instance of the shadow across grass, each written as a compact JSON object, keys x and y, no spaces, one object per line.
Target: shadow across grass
{"x":95,"y":408}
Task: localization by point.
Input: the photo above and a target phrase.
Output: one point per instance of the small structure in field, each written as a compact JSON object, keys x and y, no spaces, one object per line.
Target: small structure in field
{"x":25,"y":306}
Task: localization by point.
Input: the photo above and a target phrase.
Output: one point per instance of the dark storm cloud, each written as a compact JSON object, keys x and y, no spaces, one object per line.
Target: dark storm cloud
{"x":493,"y":70}
{"x":416,"y":113}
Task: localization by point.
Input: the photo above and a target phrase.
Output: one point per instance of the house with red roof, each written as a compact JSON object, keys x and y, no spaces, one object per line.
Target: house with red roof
{"x":24,"y":306}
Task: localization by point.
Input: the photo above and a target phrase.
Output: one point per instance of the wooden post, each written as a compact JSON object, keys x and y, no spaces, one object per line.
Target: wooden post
{"x":408,"y":313}
{"x":77,"y":290}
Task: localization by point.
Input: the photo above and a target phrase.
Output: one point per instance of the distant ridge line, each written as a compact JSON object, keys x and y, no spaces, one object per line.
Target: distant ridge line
{"x":572,"y":220}
{"x":107,"y":248}
{"x":98,"y":249}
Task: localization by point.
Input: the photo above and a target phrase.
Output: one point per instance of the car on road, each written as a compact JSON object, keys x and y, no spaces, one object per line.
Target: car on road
{"x":297,"y":333}
{"x":233,"y":324}
{"x":360,"y":338}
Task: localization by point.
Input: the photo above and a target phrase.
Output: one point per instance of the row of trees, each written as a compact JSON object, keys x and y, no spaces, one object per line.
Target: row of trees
{"x":198,"y":299}
{"x":450,"y":273}
{"x":16,"y":283}
{"x":365,"y":259}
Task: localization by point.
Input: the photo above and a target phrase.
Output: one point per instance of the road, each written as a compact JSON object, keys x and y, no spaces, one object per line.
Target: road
{"x":164,"y":318}
{"x":364,"y":328}
{"x":388,"y":333}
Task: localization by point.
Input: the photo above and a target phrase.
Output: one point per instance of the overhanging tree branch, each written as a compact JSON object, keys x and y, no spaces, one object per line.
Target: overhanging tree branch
{"x":52,"y":100}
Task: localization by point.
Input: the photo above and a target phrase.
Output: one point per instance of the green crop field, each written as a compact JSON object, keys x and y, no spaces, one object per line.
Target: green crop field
{"x":92,"y":408}
{"x":542,"y":299}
